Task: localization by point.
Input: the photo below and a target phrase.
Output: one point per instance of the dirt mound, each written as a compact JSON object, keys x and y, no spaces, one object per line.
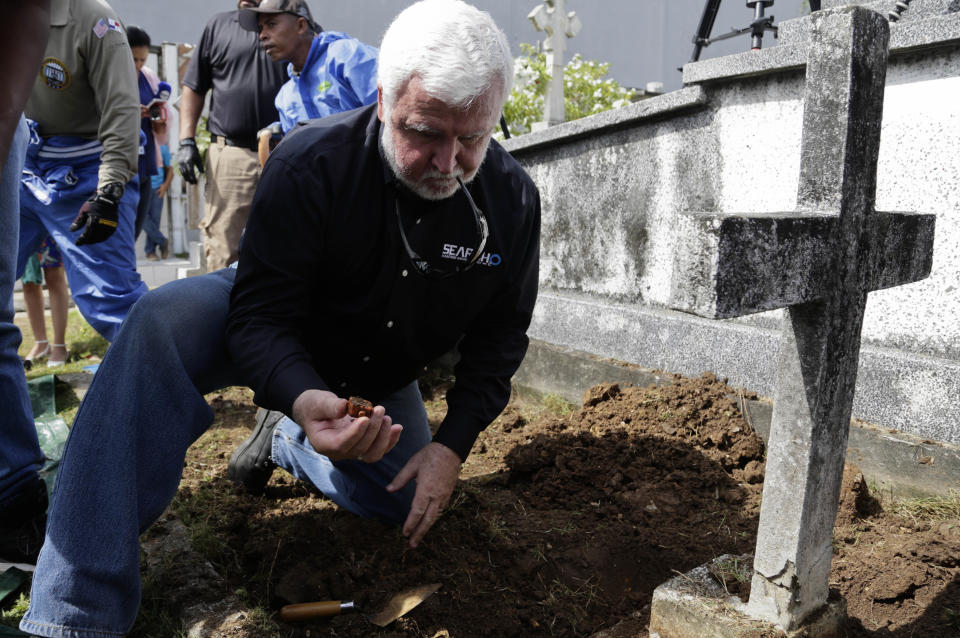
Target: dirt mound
{"x":561,"y":526}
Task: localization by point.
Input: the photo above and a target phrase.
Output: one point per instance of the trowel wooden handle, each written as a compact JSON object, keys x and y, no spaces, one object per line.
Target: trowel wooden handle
{"x":308,"y":611}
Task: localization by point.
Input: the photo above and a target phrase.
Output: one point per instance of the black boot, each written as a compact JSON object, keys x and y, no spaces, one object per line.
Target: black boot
{"x":251,"y":465}
{"x":23,"y":521}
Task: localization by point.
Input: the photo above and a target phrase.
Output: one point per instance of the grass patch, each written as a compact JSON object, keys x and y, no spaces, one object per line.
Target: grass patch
{"x":84,"y":345}
{"x":730,"y":570}
{"x":931,"y":508}
{"x":557,"y":405}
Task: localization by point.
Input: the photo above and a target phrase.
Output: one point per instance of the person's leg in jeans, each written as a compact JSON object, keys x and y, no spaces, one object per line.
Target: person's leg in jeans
{"x":20,"y":454}
{"x":354,"y":485}
{"x":123,"y":460}
{"x":144,"y":202}
{"x":151,"y":227}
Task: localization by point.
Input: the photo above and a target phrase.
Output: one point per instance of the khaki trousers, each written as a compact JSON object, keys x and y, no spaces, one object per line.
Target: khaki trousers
{"x":232,"y":177}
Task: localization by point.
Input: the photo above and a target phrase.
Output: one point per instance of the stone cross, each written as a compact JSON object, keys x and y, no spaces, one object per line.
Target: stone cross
{"x":551,"y":17}
{"x":819,"y":262}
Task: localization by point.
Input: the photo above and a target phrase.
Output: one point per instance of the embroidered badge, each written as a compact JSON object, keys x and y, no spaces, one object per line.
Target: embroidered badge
{"x":100,"y":28}
{"x":55,"y":74}
{"x":114,"y":25}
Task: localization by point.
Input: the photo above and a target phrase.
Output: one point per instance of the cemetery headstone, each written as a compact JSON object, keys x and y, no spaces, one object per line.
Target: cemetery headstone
{"x":819,"y":262}
{"x":552,"y":18}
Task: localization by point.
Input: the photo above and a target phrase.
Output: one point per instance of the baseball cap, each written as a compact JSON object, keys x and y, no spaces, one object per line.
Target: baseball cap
{"x":248,"y":17}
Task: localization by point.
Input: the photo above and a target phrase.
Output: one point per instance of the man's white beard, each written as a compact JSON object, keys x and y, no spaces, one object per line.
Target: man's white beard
{"x":420,"y":188}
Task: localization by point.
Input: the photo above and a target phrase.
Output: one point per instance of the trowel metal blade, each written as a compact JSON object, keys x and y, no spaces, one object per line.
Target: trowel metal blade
{"x":402,"y":603}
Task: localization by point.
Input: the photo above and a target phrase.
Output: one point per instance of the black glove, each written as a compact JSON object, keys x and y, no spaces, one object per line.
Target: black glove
{"x":98,"y":214}
{"x":188,"y":160}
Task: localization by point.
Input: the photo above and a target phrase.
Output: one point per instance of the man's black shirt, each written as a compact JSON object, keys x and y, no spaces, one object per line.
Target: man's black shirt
{"x":326,"y":297}
{"x":245,"y":81}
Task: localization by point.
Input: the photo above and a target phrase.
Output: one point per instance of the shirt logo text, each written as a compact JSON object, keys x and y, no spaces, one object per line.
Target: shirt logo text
{"x":463,"y":253}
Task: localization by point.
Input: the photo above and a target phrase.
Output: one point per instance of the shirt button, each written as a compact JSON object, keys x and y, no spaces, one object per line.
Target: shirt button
{"x":343,"y":385}
{"x":403,"y":273}
{"x":367,"y":358}
{"x":389,"y":324}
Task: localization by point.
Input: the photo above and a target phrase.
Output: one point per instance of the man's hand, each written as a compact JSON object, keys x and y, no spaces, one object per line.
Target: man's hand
{"x":323,"y":416}
{"x":98,"y":214}
{"x":436,"y":468}
{"x":188,"y":160}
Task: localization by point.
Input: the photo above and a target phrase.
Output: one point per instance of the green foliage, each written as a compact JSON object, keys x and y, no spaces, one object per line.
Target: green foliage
{"x":586,"y":89}
{"x":11,"y":616}
{"x":202,"y":138}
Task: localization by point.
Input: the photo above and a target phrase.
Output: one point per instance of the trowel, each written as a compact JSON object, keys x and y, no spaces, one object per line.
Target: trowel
{"x":397,"y":606}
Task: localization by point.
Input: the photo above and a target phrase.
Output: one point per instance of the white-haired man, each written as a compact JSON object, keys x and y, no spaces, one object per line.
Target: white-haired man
{"x":379,"y":239}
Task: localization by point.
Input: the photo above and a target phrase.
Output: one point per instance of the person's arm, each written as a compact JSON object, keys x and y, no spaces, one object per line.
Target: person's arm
{"x":197,"y":80}
{"x":188,"y":155}
{"x":167,"y":178}
{"x":191,"y":105}
{"x":490,"y":353}
{"x":113,"y":77}
{"x":278,"y":270}
{"x":276,"y":273}
{"x":25,"y":40}
{"x":494,"y":346}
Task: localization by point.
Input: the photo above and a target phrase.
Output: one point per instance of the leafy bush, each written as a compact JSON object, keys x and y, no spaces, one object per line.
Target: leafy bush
{"x":586,"y":89}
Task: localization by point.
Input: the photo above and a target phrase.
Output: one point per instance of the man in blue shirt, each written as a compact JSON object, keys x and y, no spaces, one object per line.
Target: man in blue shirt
{"x":329,"y":71}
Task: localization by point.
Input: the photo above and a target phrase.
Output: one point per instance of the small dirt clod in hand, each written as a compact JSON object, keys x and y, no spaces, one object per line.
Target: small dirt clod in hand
{"x":357,"y":407}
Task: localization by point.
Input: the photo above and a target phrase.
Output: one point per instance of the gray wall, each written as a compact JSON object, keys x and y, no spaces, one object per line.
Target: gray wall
{"x":613,"y":185}
{"x":645,"y":40}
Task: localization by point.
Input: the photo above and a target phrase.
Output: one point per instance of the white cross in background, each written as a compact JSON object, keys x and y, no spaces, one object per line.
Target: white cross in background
{"x":552,"y":18}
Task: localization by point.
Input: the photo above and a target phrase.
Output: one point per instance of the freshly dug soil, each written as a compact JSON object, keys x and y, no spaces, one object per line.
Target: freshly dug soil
{"x":562,"y":525}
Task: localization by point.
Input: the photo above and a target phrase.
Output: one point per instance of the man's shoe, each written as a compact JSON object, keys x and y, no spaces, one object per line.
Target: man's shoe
{"x":165,"y":251}
{"x":23,"y":521}
{"x":251,"y":465}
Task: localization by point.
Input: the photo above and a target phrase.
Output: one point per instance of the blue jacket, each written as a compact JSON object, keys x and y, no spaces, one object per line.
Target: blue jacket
{"x":340,"y":74}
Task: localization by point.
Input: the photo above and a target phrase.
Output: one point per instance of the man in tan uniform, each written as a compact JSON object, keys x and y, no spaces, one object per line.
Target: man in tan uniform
{"x":84,"y":115}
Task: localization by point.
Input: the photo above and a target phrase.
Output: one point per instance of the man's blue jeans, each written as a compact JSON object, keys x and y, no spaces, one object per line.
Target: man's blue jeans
{"x":151,"y":225}
{"x":124,"y":457}
{"x":20,"y":455}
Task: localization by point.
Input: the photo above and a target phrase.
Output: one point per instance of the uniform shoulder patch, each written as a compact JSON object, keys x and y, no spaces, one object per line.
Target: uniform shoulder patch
{"x":55,"y":74}
{"x":106,"y":24}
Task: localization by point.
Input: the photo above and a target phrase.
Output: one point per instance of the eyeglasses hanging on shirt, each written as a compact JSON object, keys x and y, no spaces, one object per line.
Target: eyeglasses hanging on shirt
{"x":430,"y":271}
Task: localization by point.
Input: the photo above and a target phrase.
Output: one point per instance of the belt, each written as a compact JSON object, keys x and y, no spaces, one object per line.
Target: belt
{"x":247,"y":144}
